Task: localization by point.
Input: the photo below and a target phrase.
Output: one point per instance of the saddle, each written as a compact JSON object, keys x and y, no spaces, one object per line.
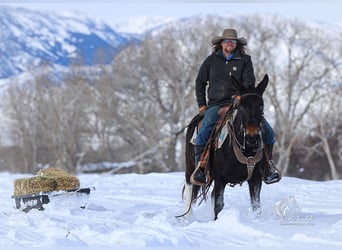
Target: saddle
{"x":218,"y":134}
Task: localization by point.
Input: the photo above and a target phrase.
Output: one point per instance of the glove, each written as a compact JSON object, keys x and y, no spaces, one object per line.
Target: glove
{"x":202,"y":110}
{"x":236,"y":101}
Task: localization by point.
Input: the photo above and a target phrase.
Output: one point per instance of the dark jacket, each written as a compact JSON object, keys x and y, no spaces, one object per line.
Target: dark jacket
{"x":216,"y":71}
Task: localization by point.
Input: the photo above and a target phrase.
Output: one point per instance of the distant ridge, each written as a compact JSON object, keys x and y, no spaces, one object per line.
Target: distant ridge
{"x":29,"y":37}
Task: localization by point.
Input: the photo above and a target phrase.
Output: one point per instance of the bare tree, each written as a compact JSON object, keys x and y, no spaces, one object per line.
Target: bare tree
{"x":49,"y":119}
{"x":158,"y":77}
{"x":15,"y":106}
{"x":108,"y":127}
{"x":67,"y":120}
{"x":327,"y":126}
{"x":301,"y":66}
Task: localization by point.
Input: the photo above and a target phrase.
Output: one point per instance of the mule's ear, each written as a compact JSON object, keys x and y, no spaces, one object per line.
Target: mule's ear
{"x":262,"y":85}
{"x":238,"y":86}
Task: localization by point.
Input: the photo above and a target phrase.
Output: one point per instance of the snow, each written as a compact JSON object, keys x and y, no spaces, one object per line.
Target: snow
{"x":133,"y":210}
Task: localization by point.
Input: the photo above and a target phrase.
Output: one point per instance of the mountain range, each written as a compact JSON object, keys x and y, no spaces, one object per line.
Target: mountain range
{"x":29,"y":38}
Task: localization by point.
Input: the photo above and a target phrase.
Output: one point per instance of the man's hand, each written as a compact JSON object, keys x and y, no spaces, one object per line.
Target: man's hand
{"x":236,"y":101}
{"x":202,"y":110}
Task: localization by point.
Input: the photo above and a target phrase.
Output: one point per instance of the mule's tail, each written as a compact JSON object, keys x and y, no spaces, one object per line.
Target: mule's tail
{"x":188,"y":193}
{"x":189,"y":148}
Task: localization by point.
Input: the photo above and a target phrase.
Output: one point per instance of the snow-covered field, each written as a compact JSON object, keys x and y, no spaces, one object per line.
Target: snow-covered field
{"x":134,"y":210}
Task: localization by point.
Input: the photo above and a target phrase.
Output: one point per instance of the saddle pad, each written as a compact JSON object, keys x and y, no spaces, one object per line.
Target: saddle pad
{"x":224,"y":130}
{"x":193,"y":138}
{"x":223,"y":135}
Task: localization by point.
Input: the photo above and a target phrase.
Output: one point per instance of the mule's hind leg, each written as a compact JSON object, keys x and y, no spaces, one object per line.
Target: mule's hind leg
{"x":217,"y":197}
{"x":254,"y":193}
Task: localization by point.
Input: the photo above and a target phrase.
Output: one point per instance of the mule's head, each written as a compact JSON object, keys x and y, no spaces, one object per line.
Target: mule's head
{"x":251,"y":109}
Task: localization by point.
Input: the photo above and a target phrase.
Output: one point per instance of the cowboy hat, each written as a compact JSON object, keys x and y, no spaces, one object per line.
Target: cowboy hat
{"x":228,"y":34}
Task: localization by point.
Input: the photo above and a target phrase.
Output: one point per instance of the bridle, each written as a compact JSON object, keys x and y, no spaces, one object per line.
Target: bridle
{"x":239,"y":148}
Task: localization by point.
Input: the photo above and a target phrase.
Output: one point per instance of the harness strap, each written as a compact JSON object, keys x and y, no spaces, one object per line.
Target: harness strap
{"x":249,"y":161}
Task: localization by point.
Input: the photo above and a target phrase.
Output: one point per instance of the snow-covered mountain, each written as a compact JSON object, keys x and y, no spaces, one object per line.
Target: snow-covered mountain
{"x":29,"y":37}
{"x":142,"y":24}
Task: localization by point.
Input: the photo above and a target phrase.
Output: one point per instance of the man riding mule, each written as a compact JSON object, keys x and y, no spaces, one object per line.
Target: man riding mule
{"x":229,"y":59}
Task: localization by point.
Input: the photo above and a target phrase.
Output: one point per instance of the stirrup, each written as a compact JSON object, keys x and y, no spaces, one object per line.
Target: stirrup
{"x":272,"y":170}
{"x":192,"y":177}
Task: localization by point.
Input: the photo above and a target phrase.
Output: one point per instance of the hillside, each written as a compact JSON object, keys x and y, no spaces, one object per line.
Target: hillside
{"x":29,"y":38}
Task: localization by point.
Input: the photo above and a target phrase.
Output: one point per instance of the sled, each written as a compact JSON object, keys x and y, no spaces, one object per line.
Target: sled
{"x":37,"y":201}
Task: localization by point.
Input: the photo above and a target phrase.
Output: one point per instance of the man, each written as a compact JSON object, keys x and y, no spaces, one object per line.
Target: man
{"x":228,"y":58}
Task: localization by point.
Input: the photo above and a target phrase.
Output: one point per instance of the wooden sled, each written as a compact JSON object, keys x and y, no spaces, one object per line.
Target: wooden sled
{"x":36,"y":201}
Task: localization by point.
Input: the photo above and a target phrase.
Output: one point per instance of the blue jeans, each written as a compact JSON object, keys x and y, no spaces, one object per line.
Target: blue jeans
{"x":268,"y":133}
{"x":210,"y":118}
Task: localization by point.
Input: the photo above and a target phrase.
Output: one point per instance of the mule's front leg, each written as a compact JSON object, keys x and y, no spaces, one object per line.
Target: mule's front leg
{"x":217,"y":198}
{"x":254,"y":193}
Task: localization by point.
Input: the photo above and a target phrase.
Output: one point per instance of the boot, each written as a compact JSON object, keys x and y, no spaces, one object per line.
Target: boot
{"x":273,"y":175}
{"x":198,"y":176}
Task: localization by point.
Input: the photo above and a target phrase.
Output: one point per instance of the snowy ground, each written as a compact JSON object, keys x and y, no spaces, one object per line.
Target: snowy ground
{"x":139,"y":211}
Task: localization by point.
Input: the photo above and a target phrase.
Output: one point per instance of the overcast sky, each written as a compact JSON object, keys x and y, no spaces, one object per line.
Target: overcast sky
{"x":328,"y":11}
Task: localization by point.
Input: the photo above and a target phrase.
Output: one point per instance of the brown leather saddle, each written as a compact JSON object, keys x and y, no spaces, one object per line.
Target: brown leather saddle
{"x":218,"y":134}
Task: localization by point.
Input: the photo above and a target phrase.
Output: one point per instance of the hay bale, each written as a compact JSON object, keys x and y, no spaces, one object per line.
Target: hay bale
{"x":47,"y":180}
{"x":52,"y":172}
{"x":34,"y":185}
{"x":64,"y":180}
